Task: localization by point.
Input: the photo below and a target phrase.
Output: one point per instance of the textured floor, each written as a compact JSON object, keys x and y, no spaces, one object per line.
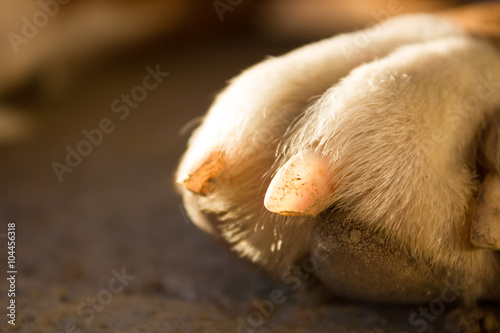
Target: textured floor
{"x":117,"y":213}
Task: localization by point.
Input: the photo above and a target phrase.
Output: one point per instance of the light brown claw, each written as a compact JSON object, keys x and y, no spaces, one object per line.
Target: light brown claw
{"x":301,"y":186}
{"x":204,"y":179}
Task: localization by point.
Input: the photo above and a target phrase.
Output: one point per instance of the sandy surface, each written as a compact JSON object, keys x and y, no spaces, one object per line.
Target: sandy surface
{"x":116,"y":213}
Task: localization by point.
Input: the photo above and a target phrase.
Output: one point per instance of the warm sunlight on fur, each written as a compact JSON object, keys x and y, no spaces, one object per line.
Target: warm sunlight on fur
{"x":401,"y":115}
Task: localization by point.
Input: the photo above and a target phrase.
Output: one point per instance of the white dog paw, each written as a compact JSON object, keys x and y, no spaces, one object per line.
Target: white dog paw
{"x":359,"y":154}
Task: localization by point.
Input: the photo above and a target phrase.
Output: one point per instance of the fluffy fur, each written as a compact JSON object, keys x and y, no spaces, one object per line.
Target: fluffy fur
{"x":400,"y":111}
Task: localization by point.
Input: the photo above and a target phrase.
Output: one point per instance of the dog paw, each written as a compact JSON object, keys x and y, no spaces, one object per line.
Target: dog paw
{"x":359,"y":158}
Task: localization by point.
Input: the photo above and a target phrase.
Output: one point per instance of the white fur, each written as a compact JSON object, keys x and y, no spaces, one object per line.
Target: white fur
{"x":401,"y":134}
{"x":391,"y":120}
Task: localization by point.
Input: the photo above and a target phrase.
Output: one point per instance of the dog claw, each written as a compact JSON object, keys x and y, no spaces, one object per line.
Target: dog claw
{"x":204,"y":179}
{"x":485,"y":229}
{"x":301,"y":186}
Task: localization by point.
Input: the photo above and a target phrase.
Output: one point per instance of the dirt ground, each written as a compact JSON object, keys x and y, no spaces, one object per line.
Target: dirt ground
{"x":109,"y":248}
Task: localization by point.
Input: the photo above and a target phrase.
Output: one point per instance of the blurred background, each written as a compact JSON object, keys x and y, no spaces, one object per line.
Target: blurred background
{"x":97,"y":100}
